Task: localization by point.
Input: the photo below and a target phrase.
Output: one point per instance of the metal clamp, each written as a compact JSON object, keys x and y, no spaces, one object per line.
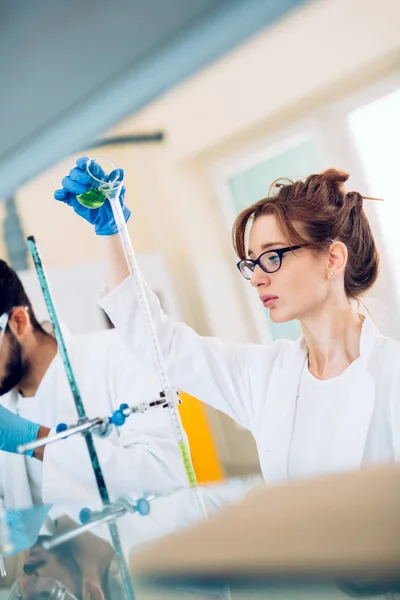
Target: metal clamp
{"x":91,"y":519}
{"x":102,"y":426}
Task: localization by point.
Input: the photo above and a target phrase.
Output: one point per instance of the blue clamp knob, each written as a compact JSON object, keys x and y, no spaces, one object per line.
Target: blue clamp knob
{"x":118,"y":418}
{"x":85,"y":515}
{"x":61,"y":427}
{"x":142,"y":506}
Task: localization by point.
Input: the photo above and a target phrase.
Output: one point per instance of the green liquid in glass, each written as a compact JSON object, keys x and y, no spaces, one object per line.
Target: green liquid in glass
{"x":92,"y":199}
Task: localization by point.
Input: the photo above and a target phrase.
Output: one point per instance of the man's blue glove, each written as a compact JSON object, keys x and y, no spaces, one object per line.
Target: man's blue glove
{"x":15,"y":431}
{"x":79,"y":182}
{"x":25,"y":526}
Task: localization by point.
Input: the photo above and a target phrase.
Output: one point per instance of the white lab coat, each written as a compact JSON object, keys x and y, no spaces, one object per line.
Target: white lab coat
{"x":257,"y":385}
{"x":139,"y":457}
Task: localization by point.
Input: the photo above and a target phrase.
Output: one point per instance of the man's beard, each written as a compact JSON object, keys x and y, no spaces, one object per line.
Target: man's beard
{"x":16,"y":367}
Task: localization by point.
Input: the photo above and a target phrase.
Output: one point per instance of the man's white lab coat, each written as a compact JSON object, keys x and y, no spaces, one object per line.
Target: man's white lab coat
{"x":257,"y":385}
{"x":142,"y":456}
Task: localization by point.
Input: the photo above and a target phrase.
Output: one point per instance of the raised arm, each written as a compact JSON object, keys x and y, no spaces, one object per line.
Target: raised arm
{"x":218,"y":374}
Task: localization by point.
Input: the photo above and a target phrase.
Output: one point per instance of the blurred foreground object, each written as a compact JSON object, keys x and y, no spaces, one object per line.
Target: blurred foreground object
{"x":334,"y":527}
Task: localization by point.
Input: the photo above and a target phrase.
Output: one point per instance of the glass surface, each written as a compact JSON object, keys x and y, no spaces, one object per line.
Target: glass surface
{"x":85,"y":564}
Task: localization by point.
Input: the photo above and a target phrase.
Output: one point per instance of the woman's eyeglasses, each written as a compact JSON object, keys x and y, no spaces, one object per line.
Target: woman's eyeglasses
{"x":269,"y":261}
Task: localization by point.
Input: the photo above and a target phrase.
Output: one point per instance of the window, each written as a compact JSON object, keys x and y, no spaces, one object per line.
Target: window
{"x":376,"y":129}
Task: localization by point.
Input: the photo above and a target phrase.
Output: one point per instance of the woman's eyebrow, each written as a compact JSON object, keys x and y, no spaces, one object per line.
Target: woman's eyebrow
{"x":266,"y":246}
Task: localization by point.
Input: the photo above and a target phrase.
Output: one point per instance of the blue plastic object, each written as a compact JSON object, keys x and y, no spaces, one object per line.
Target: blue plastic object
{"x":61,"y":427}
{"x":79,"y":182}
{"x":85,"y":515}
{"x":25,"y":526}
{"x":16,"y":431}
{"x":118,"y":418}
{"x":143,"y":507}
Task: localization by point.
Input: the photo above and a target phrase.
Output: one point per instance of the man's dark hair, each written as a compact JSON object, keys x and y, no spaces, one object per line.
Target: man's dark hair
{"x":12,"y":294}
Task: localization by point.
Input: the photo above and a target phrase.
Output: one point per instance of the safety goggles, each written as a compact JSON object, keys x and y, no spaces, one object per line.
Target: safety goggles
{"x":4,"y":318}
{"x":3,"y":326}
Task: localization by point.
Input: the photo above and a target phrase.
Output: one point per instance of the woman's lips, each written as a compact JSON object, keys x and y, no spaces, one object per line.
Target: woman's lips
{"x":268,"y":300}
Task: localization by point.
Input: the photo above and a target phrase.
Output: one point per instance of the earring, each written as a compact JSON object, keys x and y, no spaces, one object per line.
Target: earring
{"x":331,"y":273}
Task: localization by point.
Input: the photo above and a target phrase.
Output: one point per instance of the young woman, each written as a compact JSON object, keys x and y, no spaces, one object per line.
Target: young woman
{"x":326,"y":403}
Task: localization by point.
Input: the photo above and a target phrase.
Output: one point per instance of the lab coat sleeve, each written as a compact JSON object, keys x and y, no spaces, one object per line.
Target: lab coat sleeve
{"x":141,"y":456}
{"x":219,"y":374}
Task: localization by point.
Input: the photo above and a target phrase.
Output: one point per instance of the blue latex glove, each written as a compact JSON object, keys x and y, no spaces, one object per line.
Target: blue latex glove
{"x":15,"y":430}
{"x":25,"y":526}
{"x":78,"y":182}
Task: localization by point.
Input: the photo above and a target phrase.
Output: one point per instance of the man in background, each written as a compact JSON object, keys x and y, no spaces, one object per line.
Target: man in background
{"x":35,"y":396}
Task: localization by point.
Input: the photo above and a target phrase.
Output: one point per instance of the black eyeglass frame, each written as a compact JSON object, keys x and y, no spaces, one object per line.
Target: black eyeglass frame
{"x":279,"y":251}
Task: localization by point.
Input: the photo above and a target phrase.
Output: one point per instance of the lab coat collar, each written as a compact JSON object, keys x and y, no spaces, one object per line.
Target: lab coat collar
{"x":278,"y":422}
{"x":369,"y":338}
{"x":67,"y":335}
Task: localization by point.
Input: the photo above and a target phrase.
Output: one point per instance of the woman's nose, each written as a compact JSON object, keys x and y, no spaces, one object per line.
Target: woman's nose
{"x":260,"y":277}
